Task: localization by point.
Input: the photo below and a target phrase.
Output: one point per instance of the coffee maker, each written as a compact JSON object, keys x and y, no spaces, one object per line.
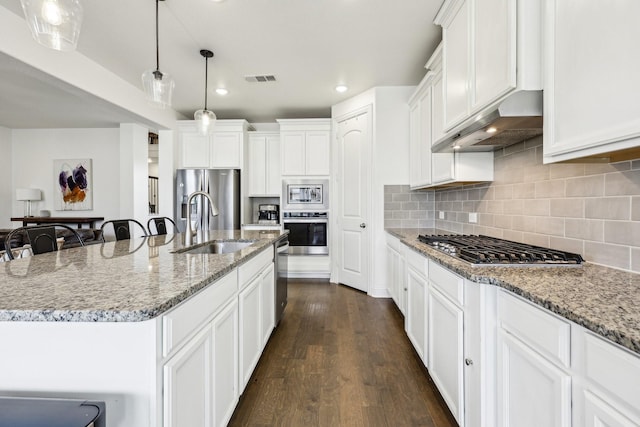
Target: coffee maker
{"x":268,"y":214}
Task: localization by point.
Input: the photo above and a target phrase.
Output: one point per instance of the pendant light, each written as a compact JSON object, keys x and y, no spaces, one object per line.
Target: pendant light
{"x":205,"y":119}
{"x":54,"y":23}
{"x":158,"y":85}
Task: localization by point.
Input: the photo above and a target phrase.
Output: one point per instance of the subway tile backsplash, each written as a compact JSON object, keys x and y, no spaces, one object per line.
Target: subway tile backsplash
{"x":593,"y":209}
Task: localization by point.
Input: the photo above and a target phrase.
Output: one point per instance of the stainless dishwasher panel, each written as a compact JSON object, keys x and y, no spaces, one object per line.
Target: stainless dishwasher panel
{"x":280,"y":271}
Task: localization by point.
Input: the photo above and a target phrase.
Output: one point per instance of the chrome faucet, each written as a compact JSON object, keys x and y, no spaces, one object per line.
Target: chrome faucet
{"x":188,"y":237}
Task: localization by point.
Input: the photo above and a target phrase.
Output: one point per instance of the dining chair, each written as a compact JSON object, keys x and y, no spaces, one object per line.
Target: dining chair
{"x":41,"y":238}
{"x":160,"y":224}
{"x":122,"y":229}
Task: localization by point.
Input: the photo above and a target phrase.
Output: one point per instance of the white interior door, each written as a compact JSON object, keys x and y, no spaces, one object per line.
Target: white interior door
{"x":354,"y":142}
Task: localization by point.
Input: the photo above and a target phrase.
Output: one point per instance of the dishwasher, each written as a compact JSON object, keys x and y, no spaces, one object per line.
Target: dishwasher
{"x":280,"y":271}
{"x":35,"y":412}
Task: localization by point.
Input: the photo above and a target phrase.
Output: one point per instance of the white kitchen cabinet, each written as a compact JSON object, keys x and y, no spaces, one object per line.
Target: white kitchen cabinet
{"x":607,"y":389}
{"x":304,"y":147}
{"x":250,"y":332}
{"x":267,"y":301}
{"x":456,"y":58}
{"x":225,"y":364}
{"x":188,"y":379}
{"x":533,"y":376}
{"x":264,"y":164}
{"x":256,"y":311}
{"x":490,"y":49}
{"x":396,"y":272}
{"x":426,"y":121}
{"x":420,"y":136}
{"x":591,"y":106}
{"x":223,"y":149}
{"x":416,"y":324}
{"x":446,"y":355}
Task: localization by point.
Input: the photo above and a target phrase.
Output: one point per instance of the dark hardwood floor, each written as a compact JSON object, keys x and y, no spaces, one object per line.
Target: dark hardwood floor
{"x":339,"y":358}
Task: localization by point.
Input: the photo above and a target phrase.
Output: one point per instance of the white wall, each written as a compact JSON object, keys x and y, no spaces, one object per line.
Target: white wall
{"x":134,"y":172}
{"x":33,"y":152}
{"x":6,"y":189}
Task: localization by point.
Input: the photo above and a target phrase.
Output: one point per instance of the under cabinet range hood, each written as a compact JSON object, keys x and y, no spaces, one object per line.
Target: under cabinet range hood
{"x":517,"y":118}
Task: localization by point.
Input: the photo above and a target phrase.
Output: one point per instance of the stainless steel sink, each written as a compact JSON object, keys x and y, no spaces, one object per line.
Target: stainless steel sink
{"x":218,"y":247}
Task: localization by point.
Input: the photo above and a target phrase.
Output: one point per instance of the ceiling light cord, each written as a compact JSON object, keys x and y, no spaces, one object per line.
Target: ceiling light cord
{"x":206,"y":79}
{"x":157,"y":39}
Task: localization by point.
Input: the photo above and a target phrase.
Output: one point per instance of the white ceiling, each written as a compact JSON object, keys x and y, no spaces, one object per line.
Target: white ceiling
{"x":309,"y":45}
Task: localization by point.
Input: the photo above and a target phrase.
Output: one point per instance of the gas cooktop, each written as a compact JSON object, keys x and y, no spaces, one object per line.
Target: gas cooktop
{"x":485,"y":250}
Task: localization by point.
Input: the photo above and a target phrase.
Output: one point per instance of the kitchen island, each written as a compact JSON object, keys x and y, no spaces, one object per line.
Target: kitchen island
{"x":116,"y":322}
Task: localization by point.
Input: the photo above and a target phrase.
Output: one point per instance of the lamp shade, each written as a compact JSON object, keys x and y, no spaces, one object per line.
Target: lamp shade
{"x":205,"y":121}
{"x":158,"y":87}
{"x":28,"y":194}
{"x":54,"y":23}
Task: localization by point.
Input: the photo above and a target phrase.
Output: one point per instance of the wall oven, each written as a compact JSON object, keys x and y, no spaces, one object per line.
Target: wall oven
{"x":305,"y":194}
{"x":308,"y":232}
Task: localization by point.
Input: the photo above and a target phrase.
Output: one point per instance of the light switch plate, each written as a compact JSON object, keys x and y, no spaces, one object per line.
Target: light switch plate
{"x":440,"y":215}
{"x":473,"y":217}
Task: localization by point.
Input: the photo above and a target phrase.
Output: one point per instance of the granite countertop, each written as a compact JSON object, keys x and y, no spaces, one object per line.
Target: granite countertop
{"x":603,"y":300}
{"x":126,"y":281}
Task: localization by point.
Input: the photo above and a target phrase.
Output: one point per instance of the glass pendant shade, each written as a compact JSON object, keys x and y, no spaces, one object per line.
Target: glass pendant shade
{"x":205,"y":121}
{"x":158,"y":87}
{"x":54,"y":23}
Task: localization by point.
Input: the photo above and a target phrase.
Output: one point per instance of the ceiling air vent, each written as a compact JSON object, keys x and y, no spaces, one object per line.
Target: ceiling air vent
{"x":261,"y":78}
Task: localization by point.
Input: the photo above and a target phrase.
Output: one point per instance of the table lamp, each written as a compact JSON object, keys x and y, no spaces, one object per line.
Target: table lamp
{"x":28,"y":195}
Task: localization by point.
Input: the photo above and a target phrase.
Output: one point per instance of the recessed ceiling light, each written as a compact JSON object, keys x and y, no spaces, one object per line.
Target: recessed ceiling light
{"x":341,"y":88}
{"x":222,"y":91}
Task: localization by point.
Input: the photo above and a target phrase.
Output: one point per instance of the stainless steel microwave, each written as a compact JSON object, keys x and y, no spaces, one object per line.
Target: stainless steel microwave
{"x":305,"y":194}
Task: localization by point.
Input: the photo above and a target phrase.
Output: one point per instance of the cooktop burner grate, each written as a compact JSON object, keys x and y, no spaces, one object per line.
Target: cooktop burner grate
{"x":482,"y":250}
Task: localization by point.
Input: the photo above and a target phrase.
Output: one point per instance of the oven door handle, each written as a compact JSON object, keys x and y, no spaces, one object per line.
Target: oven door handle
{"x":305,"y":221}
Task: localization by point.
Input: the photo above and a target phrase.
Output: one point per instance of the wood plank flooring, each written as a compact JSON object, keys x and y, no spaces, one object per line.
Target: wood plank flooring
{"x":339,"y":358}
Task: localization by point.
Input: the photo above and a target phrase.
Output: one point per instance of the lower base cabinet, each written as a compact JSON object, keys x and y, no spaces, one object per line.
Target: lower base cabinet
{"x":200,"y":381}
{"x":446,"y":351}
{"x":532,"y":392}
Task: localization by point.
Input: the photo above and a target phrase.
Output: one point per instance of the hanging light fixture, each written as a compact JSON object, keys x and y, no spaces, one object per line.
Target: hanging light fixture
{"x":157,"y":85}
{"x":54,"y":23}
{"x":205,"y":119}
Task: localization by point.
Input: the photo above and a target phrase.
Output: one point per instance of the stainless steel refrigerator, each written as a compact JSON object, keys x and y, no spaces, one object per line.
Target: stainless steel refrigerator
{"x":223,"y":185}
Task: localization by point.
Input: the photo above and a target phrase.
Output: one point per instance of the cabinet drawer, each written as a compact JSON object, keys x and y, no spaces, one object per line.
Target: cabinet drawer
{"x":447,"y":282}
{"x":544,"y":332}
{"x":185,"y":319}
{"x":612,"y":368}
{"x":255,"y":265}
{"x":417,"y":262}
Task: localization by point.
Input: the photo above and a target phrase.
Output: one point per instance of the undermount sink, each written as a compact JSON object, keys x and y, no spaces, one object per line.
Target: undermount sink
{"x":221,"y":247}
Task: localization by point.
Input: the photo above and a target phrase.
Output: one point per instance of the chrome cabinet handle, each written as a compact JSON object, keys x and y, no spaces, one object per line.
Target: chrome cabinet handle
{"x":363,"y":225}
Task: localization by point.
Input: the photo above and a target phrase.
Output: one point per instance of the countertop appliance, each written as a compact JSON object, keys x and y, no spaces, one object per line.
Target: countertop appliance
{"x":305,"y":194}
{"x":485,"y":250}
{"x":280,"y":271}
{"x":223,"y":185}
{"x":308,"y":232}
{"x":268,"y":214}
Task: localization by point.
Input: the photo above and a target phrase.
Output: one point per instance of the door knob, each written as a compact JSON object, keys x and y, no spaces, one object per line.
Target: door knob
{"x":468,"y":362}
{"x":363,"y":225}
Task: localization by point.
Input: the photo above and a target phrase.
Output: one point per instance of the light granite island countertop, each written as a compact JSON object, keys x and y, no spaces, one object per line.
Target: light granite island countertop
{"x":130,"y":323}
{"x":125,"y":281}
{"x":601,"y":299}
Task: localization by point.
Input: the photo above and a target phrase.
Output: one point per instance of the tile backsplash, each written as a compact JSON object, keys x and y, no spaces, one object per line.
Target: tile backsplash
{"x":408,"y":209}
{"x":592,"y":209}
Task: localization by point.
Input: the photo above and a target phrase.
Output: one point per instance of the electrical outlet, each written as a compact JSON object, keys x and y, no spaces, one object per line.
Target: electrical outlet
{"x":440,"y":214}
{"x":473,"y":217}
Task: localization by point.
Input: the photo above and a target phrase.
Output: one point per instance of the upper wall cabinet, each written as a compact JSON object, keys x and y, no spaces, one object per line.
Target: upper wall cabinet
{"x":591,"y":106}
{"x":427,"y":169}
{"x":224,"y":149}
{"x":264,"y":164}
{"x":490,"y":48}
{"x":304,"y":147}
